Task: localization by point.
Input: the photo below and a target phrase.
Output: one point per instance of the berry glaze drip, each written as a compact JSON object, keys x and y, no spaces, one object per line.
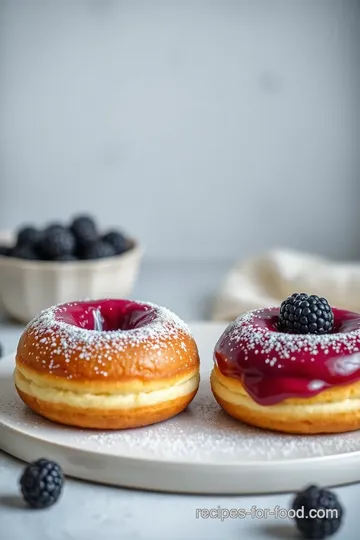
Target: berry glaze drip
{"x":274,"y":366}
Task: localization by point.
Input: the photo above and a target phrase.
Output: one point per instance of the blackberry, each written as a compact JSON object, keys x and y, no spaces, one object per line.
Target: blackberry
{"x":303,"y":314}
{"x":327,"y":509}
{"x":41,"y":483}
{"x":28,"y":236}
{"x":98,"y":250}
{"x":117,"y":240}
{"x":85,"y":231}
{"x":25,"y":251}
{"x":56,"y":242}
{"x":54,"y":227}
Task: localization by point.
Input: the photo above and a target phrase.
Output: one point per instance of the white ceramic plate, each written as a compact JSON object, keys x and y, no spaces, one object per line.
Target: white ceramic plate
{"x":200,"y":451}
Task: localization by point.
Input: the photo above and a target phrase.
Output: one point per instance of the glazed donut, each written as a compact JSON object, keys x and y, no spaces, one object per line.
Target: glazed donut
{"x":140,"y":368}
{"x":287,"y":382}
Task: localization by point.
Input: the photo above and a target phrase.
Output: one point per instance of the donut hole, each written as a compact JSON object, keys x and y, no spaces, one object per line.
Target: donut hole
{"x":115,"y":315}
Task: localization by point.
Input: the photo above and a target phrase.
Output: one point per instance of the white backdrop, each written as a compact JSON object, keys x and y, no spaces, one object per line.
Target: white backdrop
{"x":207,"y":129}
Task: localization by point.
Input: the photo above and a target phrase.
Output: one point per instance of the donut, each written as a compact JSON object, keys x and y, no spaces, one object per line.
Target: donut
{"x":289,"y":382}
{"x":139,"y":367}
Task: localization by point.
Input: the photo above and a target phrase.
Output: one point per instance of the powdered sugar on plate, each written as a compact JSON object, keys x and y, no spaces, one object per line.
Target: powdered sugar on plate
{"x":203,"y":433}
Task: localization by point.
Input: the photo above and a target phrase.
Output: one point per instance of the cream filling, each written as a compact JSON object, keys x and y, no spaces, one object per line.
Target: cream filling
{"x":105,"y":401}
{"x":295,"y":410}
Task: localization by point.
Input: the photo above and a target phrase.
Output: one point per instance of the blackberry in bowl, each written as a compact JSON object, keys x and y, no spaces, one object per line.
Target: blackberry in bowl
{"x":61,"y":262}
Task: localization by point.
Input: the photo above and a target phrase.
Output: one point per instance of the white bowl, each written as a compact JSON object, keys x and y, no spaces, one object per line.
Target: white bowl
{"x":28,"y":287}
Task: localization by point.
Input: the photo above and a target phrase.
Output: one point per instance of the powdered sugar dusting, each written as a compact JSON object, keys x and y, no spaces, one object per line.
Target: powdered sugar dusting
{"x":283,"y":346}
{"x":52,"y":337}
{"x":206,"y":433}
{"x":203,"y":433}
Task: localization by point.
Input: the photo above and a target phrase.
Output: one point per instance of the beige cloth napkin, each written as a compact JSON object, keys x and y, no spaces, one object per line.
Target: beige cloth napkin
{"x":269,"y":278}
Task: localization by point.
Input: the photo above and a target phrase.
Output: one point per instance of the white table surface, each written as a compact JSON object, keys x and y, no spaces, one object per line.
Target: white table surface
{"x":90,"y":512}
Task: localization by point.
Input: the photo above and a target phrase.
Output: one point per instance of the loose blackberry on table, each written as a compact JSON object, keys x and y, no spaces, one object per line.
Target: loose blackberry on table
{"x":303,"y":314}
{"x":41,"y":483}
{"x":319,"y":513}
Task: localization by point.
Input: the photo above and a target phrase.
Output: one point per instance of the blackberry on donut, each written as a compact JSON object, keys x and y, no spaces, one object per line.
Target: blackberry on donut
{"x":303,"y":314}
{"x":293,"y":368}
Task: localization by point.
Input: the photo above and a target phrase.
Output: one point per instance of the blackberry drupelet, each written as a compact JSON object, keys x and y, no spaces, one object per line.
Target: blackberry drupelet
{"x":117,"y":240}
{"x":98,"y":250}
{"x":28,"y":236}
{"x":41,"y":483}
{"x":303,"y":314}
{"x":85,"y":231}
{"x":327,"y":509}
{"x":56,"y":242}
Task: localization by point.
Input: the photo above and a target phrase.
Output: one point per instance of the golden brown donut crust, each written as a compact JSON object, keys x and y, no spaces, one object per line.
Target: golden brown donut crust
{"x":154,"y":359}
{"x":107,"y":419}
{"x":66,"y":373}
{"x":292,"y":415}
